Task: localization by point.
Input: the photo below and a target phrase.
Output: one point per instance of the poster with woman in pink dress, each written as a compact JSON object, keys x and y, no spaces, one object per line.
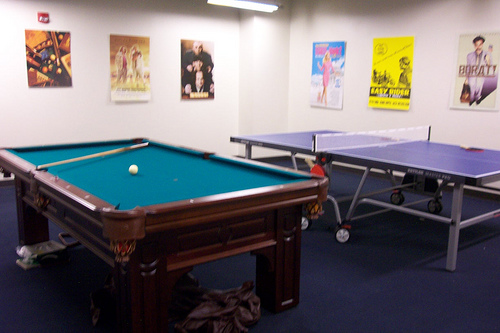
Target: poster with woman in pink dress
{"x":327,"y":79}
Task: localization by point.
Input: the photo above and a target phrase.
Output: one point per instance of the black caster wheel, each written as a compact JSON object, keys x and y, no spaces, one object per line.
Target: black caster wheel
{"x":306,"y":224}
{"x":397,"y":198}
{"x":434,"y":206}
{"x":342,"y":235}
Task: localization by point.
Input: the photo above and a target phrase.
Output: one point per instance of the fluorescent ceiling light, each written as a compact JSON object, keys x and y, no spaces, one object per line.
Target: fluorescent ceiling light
{"x":251,"y":5}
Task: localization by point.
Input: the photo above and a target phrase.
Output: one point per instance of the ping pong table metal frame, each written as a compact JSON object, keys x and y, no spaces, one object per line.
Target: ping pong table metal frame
{"x":454,"y":221}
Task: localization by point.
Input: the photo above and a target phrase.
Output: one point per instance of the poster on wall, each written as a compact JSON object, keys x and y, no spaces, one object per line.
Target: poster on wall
{"x":129,"y":68}
{"x":48,"y":58}
{"x":392,"y":63}
{"x":476,"y":74}
{"x":197,"y":69}
{"x":327,"y":77}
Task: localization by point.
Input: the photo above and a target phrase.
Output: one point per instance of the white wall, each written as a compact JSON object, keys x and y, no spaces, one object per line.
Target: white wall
{"x":435,"y":24}
{"x":262,"y":70}
{"x":264,"y":53}
{"x":84,"y":112}
{"x":264,"y":67}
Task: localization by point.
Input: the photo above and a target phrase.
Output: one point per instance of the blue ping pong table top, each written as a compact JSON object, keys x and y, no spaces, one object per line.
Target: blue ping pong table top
{"x":426,"y":158}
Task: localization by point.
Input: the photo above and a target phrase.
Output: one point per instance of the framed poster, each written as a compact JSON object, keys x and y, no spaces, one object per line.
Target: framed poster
{"x":129,"y":68}
{"x":327,"y":77}
{"x":392,"y":62}
{"x":476,"y":73}
{"x":48,"y":58}
{"x":197,"y":69}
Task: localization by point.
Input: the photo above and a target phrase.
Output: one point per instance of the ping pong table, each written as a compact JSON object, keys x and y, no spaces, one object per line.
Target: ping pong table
{"x":427,"y":167}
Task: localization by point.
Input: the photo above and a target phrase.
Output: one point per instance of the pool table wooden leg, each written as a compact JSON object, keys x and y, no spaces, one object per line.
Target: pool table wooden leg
{"x":33,"y":227}
{"x":144,"y":291}
{"x":278,"y":267}
{"x":145,"y":285}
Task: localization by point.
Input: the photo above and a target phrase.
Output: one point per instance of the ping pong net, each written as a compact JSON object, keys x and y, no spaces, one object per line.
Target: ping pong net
{"x":352,"y":140}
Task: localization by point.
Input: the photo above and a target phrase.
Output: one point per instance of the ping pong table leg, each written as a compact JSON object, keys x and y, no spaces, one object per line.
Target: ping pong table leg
{"x":456,"y":217}
{"x":355,"y":199}
{"x":329,"y":169}
{"x":248,"y":151}
{"x":294,"y":160}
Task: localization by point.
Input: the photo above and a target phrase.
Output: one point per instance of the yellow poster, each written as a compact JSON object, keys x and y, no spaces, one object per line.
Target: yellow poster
{"x":392,"y":64}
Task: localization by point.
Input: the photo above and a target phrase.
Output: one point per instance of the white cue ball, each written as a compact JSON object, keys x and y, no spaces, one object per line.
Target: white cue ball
{"x":133,"y":169}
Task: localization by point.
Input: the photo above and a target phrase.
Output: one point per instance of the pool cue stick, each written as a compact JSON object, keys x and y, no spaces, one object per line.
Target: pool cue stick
{"x":87,"y":157}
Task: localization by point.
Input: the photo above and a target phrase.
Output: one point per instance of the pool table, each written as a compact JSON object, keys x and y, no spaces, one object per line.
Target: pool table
{"x":184,"y":207}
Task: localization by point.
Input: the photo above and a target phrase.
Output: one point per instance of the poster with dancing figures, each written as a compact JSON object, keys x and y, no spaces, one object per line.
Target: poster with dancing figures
{"x":476,"y":73}
{"x":129,"y":68}
{"x":392,"y":64}
{"x":327,"y":78}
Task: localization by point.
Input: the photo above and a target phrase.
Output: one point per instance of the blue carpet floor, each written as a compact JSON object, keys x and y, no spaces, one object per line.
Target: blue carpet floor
{"x":389,"y":277}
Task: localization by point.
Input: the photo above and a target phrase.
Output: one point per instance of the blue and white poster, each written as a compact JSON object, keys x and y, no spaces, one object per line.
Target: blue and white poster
{"x":327,"y":79}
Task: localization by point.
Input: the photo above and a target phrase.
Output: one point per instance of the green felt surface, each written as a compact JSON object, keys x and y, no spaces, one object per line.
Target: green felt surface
{"x":166,"y":173}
